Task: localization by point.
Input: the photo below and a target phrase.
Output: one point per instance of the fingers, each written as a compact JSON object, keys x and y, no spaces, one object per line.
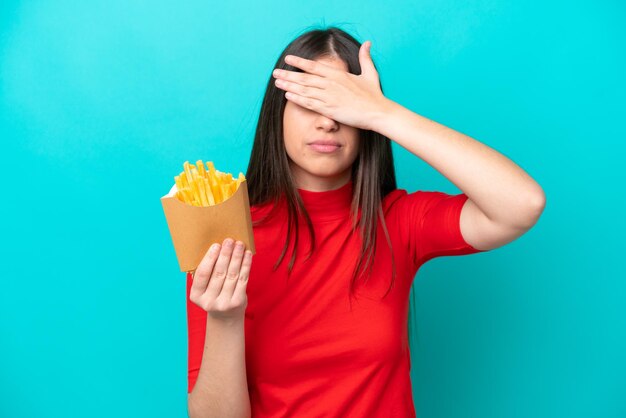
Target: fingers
{"x":234,"y":271}
{"x":310,"y":66}
{"x":239,"y":294}
{"x":204,"y":271}
{"x":223,"y":272}
{"x":285,"y":78}
{"x":220,"y":269}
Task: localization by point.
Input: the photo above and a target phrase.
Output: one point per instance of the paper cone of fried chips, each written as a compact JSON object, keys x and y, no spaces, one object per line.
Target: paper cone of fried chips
{"x":195,"y":228}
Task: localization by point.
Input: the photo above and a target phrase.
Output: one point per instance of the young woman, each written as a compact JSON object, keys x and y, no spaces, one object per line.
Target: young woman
{"x":323,"y":332}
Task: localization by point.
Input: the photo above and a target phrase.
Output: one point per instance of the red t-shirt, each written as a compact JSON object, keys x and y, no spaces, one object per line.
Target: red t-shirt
{"x":307,"y":353}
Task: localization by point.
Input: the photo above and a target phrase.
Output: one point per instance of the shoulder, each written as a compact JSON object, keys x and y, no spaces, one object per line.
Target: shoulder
{"x":265,"y":211}
{"x":420,"y":200}
{"x":392,"y":199}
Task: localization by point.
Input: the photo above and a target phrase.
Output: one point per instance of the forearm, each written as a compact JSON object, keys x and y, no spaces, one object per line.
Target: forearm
{"x":221,"y":389}
{"x":499,"y":187}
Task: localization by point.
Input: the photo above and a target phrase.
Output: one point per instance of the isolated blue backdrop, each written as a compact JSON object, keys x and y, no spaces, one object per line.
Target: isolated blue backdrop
{"x":102,"y":101}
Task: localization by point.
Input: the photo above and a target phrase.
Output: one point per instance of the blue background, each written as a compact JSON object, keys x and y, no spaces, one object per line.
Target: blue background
{"x":102,"y":101}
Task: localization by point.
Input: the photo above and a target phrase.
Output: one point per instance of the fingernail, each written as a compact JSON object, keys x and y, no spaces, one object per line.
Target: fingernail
{"x":215,"y":248}
{"x":239,"y":245}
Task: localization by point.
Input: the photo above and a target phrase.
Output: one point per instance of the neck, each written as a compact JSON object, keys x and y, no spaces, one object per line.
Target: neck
{"x":307,"y":181}
{"x":328,"y":204}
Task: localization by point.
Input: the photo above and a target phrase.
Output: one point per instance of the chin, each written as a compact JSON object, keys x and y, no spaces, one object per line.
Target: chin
{"x":326,"y":171}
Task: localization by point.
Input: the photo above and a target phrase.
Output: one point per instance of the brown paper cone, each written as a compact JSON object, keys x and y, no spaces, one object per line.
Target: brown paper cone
{"x":195,"y":228}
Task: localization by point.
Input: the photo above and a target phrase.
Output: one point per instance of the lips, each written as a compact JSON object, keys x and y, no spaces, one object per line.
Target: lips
{"x":328,"y":148}
{"x":325,"y":142}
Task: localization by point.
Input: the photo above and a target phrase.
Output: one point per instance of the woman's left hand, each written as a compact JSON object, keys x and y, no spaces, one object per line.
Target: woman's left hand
{"x":354,"y":100}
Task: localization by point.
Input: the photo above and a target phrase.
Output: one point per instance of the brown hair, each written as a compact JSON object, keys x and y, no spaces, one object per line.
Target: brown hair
{"x":269,"y":177}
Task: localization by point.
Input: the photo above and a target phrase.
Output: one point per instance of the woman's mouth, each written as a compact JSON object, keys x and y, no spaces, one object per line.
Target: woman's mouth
{"x":324,"y":148}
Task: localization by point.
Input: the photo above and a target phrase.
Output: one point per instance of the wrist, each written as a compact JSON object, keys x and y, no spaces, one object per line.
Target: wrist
{"x":226,"y":322}
{"x":381,"y":116}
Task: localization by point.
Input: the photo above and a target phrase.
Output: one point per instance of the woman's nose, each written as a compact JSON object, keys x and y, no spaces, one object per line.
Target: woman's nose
{"x":326,"y":122}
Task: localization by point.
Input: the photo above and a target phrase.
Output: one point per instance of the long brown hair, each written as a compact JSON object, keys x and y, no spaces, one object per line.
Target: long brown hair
{"x":269,"y":177}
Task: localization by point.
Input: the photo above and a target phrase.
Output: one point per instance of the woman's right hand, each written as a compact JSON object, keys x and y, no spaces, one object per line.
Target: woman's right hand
{"x":220,"y":281}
